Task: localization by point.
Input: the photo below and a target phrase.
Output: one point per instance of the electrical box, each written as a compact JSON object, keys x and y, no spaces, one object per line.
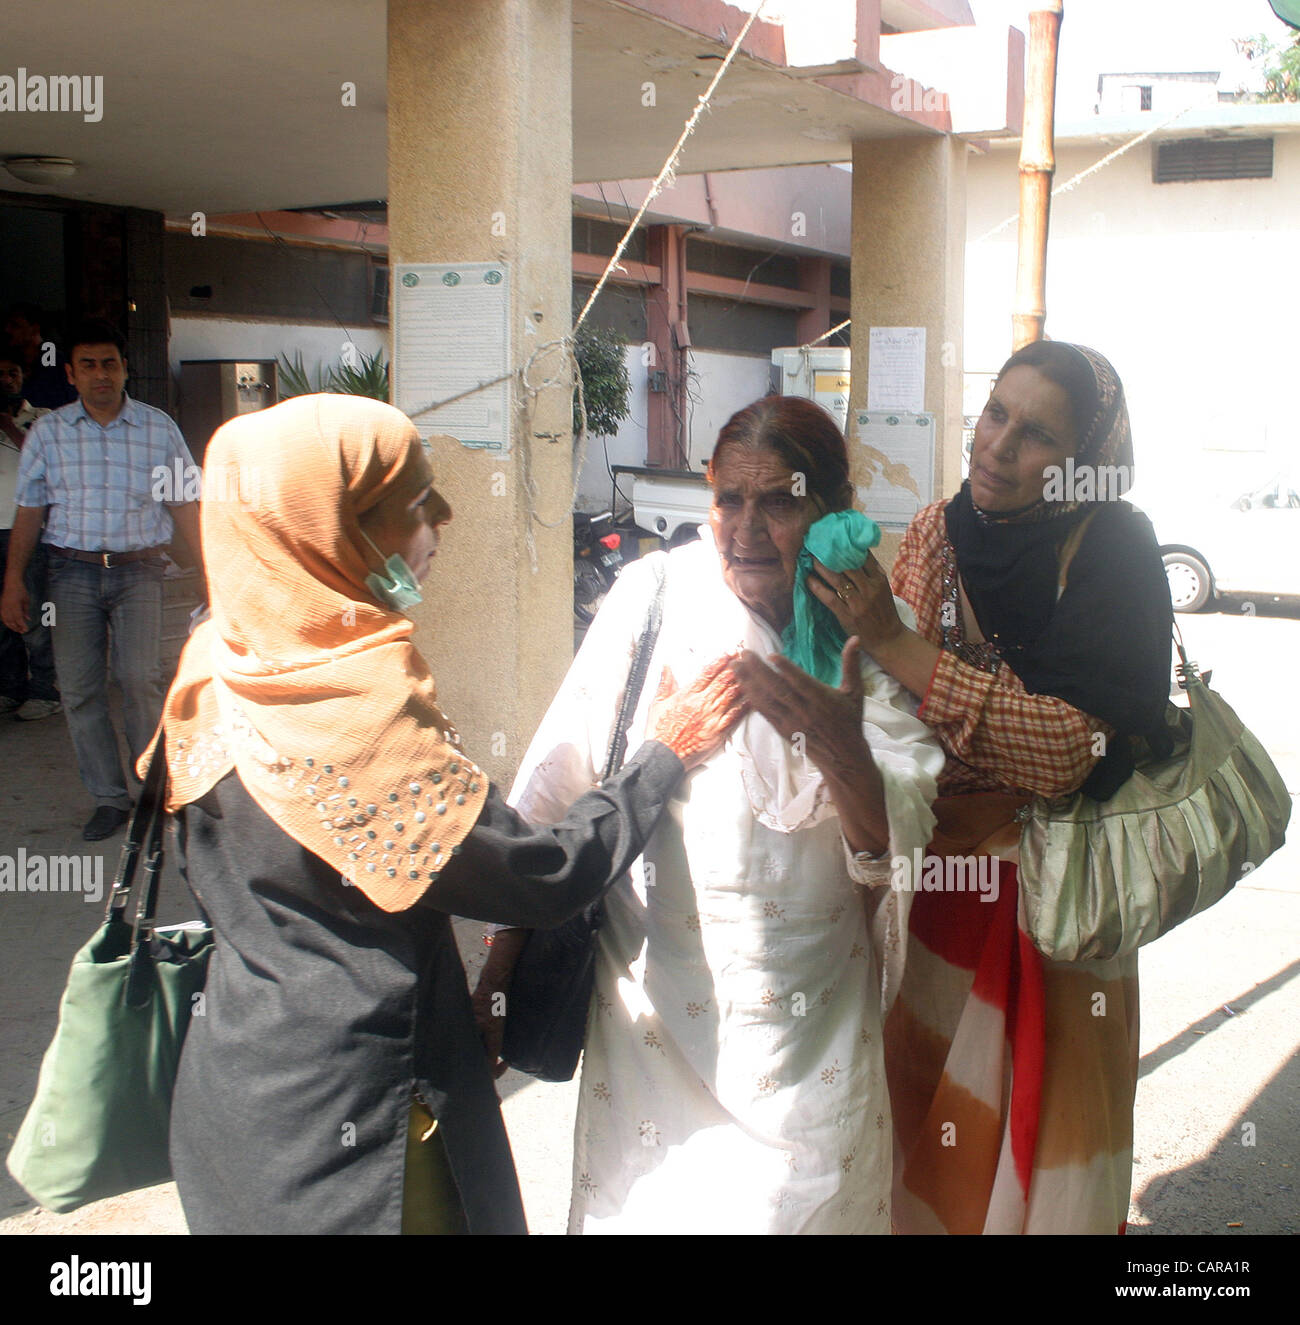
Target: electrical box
{"x":214,"y":391}
{"x":818,"y":372}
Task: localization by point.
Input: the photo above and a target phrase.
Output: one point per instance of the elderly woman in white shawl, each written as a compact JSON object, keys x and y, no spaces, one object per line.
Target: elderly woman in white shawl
{"x":732,"y":1078}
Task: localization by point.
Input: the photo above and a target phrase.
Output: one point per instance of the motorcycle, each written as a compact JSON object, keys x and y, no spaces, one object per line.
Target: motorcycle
{"x":597,"y":560}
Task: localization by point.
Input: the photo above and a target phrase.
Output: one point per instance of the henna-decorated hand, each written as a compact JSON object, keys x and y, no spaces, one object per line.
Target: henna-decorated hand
{"x":694,"y":722}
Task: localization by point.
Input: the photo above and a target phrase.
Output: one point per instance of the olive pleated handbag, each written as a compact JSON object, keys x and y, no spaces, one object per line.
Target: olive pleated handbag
{"x":1100,"y":878}
{"x":99,"y":1123}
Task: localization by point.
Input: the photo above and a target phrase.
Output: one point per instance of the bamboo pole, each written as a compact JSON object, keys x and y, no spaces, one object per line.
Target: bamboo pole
{"x":1037,"y":166}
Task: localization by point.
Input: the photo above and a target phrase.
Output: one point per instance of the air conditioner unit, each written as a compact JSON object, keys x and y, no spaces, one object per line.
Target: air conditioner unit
{"x":819,"y":373}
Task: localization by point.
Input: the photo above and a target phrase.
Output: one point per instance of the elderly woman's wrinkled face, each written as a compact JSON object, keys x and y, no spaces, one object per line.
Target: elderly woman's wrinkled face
{"x":759,"y":524}
{"x":1025,"y":428}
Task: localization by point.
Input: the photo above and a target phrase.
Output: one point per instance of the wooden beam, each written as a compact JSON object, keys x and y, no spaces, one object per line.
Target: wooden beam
{"x":665,"y":308}
{"x":727,"y":287}
{"x":628,"y":272}
{"x":1037,"y":166}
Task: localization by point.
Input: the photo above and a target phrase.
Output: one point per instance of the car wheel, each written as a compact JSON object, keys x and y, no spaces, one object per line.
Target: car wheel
{"x":1189,"y":581}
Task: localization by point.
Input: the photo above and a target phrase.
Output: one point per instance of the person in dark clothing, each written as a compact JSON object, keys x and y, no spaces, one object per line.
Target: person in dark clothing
{"x":329,"y":824}
{"x":1041,"y":657}
{"x":45,"y":381}
{"x":27,"y":681}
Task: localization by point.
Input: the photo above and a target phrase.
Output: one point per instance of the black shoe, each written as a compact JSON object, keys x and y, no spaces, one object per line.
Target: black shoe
{"x":104,"y":823}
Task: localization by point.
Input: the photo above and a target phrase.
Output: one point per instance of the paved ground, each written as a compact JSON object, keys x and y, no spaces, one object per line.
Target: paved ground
{"x":1217,"y":1141}
{"x":1219,"y":1097}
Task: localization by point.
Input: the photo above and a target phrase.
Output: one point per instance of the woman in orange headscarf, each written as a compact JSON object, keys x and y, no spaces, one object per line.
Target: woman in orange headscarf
{"x":328,"y":824}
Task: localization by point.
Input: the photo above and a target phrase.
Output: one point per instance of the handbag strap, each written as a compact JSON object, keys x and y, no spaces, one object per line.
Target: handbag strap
{"x":143,"y":834}
{"x":1068,"y":549}
{"x":635,"y":680}
{"x":1187,"y":670}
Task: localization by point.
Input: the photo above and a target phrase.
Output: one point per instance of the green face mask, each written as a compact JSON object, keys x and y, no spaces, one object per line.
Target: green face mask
{"x":398,"y":586}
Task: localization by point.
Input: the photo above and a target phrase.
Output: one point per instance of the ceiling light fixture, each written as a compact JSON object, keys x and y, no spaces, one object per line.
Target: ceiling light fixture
{"x":40,"y":169}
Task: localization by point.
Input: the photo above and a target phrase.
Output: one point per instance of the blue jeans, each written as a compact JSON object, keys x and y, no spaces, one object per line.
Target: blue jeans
{"x":101,"y":615}
{"x":27,"y":661}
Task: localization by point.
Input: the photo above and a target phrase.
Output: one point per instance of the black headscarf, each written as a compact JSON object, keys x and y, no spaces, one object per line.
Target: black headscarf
{"x":1105,"y":647}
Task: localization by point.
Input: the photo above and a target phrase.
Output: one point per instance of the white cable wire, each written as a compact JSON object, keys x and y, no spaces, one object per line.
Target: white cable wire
{"x":1091,"y":170}
{"x":825,"y":335}
{"x":666,"y":174}
{"x":1071,"y":183}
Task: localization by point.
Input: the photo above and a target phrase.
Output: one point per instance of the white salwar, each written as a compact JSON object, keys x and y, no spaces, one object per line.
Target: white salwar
{"x":733,"y":1079}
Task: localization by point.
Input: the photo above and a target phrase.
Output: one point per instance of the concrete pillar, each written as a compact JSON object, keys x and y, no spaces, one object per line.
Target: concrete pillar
{"x":480,"y":169}
{"x":909,"y":244}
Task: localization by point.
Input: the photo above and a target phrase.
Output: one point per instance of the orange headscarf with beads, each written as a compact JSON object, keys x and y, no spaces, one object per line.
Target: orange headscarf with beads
{"x":302,"y":680}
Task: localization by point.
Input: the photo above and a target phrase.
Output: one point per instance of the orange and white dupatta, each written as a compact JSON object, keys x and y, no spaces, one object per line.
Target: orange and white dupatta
{"x":1011,"y":1077}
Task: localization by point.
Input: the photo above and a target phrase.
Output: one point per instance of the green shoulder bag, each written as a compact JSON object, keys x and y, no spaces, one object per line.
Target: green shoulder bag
{"x":99,"y":1123}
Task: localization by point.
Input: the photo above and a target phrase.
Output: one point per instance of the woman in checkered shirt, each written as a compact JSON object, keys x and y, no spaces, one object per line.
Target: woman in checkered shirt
{"x":1013,"y":1077}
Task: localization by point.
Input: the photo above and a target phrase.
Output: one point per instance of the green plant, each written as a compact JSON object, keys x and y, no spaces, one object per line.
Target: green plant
{"x":605,"y":381}
{"x":1281,"y":65}
{"x":295,"y":380}
{"x":367,"y":377}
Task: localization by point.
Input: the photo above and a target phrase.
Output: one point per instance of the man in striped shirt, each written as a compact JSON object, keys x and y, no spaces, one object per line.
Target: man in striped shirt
{"x":90,"y":473}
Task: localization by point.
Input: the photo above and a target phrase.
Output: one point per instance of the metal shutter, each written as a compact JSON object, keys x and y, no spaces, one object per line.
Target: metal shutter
{"x":1213,"y":158}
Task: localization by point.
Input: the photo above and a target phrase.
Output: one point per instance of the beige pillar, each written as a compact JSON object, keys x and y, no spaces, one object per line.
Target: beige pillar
{"x":909,"y":244}
{"x":480,"y":170}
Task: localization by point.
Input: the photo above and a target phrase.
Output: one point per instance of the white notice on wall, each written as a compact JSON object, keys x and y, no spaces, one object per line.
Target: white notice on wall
{"x":899,"y":452}
{"x":452,"y":334}
{"x":896,"y":369}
